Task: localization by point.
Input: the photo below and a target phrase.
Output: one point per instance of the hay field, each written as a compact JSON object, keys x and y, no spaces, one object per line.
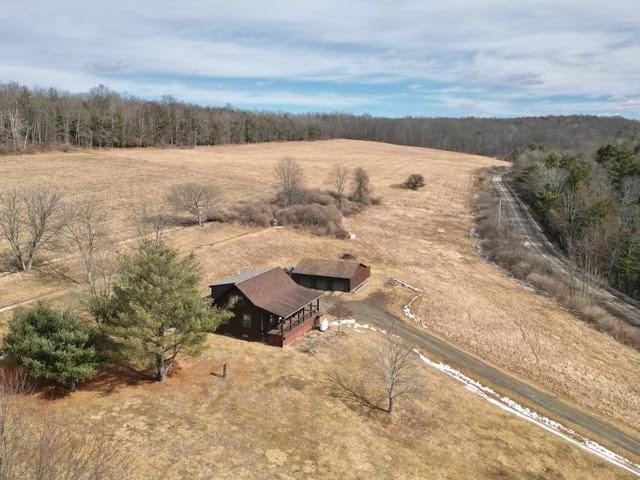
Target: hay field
{"x":275,"y":417}
{"x":421,"y":237}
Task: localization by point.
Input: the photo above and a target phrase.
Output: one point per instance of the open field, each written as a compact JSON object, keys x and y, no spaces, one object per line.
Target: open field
{"x":421,"y":237}
{"x":276,"y":417}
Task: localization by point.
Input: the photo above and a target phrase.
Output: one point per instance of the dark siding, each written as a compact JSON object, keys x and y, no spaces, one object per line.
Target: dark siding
{"x":360,"y":276}
{"x":235,"y":325}
{"x":322,"y":283}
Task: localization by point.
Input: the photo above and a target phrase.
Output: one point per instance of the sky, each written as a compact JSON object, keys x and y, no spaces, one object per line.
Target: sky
{"x":388,"y":58}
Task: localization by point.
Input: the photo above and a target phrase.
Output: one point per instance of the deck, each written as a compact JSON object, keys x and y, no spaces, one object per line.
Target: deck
{"x":291,"y":328}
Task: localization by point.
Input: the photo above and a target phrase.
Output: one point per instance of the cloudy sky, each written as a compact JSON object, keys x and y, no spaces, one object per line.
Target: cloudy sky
{"x":393,"y":58}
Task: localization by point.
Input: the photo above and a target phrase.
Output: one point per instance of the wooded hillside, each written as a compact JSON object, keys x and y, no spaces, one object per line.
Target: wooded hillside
{"x":32,"y":119}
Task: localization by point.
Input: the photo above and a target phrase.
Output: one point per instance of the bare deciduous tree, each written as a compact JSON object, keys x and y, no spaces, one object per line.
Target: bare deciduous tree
{"x":151,"y":219}
{"x":87,"y":228}
{"x":340,"y":180}
{"x":35,"y":444}
{"x":290,"y":179}
{"x":194,"y":198}
{"x":362,"y":186}
{"x":340,"y":311}
{"x":391,"y":373}
{"x":14,"y":423}
{"x":395,"y":369}
{"x":30,"y":220}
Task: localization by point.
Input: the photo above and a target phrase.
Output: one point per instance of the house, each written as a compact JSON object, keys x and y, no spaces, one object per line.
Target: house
{"x":267,"y":305}
{"x":333,"y":275}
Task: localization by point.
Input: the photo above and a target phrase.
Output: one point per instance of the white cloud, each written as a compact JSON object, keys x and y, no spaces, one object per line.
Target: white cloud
{"x":536,"y":49}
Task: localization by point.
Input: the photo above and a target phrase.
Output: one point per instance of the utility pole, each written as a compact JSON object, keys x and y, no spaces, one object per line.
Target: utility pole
{"x":499,"y":212}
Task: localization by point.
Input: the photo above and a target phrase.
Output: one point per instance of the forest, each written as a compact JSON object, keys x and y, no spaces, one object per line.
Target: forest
{"x":590,"y":205}
{"x":40,"y":119}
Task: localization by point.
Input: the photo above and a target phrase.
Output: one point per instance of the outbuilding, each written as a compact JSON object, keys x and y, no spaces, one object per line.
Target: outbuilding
{"x":267,"y":305}
{"x":332,"y":275}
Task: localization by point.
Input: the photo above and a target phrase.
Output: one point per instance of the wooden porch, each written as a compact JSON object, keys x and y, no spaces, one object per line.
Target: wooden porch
{"x":294,"y":326}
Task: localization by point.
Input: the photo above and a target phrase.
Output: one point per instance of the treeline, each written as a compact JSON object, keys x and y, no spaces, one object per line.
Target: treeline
{"x":590,"y":205}
{"x":33,"y":119}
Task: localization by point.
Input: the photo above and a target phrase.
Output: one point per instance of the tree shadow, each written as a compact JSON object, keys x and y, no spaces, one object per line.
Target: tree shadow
{"x":109,"y":380}
{"x":50,"y":271}
{"x":354,"y":393}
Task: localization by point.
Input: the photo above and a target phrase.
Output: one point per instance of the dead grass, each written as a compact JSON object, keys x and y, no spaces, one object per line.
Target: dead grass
{"x":421,"y":237}
{"x":275,"y":417}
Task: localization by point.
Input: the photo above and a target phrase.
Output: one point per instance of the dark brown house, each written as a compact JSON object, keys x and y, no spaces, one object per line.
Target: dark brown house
{"x":333,"y":275}
{"x":267,"y":305}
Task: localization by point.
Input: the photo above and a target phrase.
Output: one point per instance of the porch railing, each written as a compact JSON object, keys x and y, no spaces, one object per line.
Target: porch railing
{"x":298,"y":318}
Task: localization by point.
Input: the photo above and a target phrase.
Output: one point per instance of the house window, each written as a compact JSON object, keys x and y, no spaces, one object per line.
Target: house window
{"x":246,"y":320}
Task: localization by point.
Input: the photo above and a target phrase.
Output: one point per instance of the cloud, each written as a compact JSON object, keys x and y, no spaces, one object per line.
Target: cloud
{"x":503,"y":57}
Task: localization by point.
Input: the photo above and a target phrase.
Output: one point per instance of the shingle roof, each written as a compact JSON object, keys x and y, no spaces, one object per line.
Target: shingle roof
{"x":272,"y":290}
{"x":327,"y":268}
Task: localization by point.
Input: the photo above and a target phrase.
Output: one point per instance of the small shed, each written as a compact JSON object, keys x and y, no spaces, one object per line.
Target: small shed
{"x":332,"y":275}
{"x":267,"y":305}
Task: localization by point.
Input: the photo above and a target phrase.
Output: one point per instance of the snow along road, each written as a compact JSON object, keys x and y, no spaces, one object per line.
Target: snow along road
{"x":515,"y":212}
{"x":374,"y":311}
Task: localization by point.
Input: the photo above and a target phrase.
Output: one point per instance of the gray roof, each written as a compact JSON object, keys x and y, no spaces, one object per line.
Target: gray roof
{"x":242,"y":276}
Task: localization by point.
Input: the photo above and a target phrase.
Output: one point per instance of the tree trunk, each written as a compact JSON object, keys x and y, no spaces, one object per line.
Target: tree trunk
{"x":161,"y":370}
{"x":390,"y":407}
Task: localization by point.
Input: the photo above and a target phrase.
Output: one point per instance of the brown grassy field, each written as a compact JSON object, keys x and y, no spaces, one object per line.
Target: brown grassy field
{"x":276,"y":417}
{"x":421,"y":237}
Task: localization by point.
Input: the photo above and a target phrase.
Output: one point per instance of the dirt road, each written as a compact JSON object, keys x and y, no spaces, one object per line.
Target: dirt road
{"x":374,"y":311}
{"x":516,"y":213}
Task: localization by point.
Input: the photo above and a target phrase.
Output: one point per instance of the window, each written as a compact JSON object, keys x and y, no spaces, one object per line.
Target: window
{"x":234,"y":301}
{"x":246,"y":320}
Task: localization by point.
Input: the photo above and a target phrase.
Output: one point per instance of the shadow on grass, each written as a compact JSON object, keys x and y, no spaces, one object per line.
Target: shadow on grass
{"x":105,"y":383}
{"x":354,"y":393}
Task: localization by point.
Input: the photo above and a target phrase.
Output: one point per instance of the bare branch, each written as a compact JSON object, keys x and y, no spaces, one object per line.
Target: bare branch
{"x":151,"y":219}
{"x":290,"y":179}
{"x":339,"y":180}
{"x":30,"y":221}
{"x":87,"y":228}
{"x":194,"y":198}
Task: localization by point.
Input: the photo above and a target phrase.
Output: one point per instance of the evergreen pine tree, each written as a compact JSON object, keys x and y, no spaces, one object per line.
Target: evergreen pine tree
{"x":156,"y":311}
{"x":52,"y":345}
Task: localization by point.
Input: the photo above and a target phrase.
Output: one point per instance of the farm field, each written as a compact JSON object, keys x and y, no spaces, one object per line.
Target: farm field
{"x":420,"y":237}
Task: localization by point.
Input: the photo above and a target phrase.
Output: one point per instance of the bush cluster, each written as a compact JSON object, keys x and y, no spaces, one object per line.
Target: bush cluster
{"x":319,"y":219}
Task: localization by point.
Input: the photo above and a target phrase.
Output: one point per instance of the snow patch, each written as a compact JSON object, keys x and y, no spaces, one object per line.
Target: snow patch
{"x":352,"y":323}
{"x":513,"y":407}
{"x":408,"y":312}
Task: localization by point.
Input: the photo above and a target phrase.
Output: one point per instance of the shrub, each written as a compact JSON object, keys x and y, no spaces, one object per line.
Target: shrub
{"x":52,"y":345}
{"x":350,"y":208}
{"x":319,"y":219}
{"x":256,"y":214}
{"x":414,"y":181}
{"x":362,"y":187}
{"x":305,"y":197}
